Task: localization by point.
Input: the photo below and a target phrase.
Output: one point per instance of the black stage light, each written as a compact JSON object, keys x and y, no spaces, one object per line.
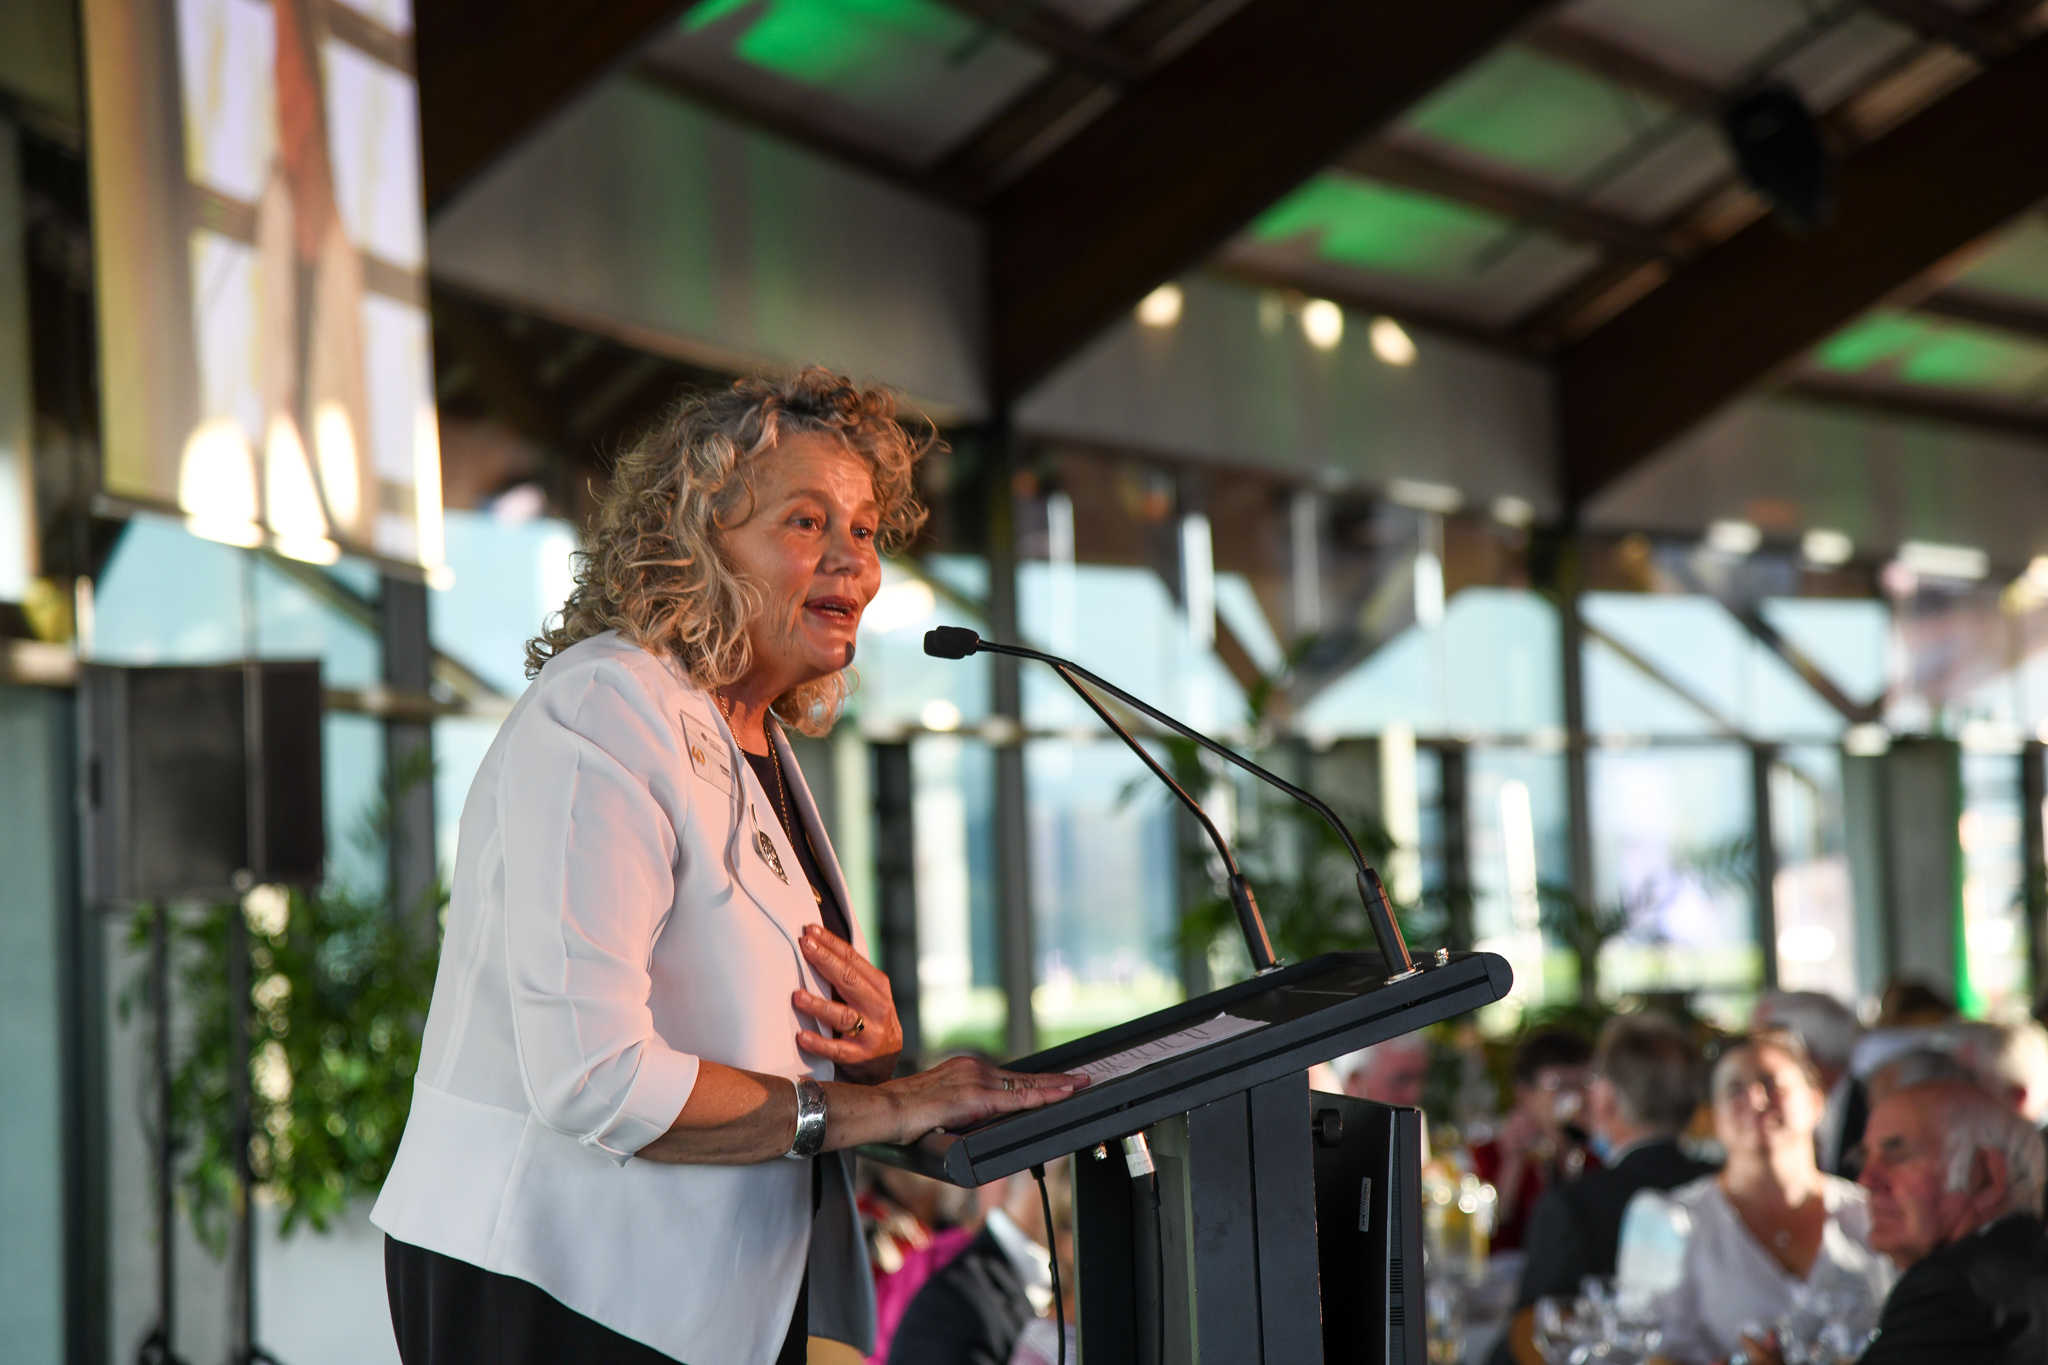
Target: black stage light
{"x":1778,"y":147}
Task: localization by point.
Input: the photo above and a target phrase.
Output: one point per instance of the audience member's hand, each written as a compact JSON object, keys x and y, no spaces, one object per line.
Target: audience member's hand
{"x":1520,"y":1132}
{"x":1758,"y":1351}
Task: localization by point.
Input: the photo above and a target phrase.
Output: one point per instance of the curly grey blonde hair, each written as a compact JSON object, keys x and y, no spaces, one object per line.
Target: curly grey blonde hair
{"x":653,"y":571}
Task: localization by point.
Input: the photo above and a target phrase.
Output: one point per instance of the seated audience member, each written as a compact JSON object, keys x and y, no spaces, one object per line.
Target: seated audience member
{"x":1830,"y":1030}
{"x":914,"y":1226}
{"x":1916,"y":1067}
{"x":1956,"y":1182}
{"x":1392,"y":1072}
{"x":1039,"y":1343}
{"x":2009,"y":1060}
{"x":1541,"y":1142}
{"x":1645,"y":1087}
{"x":1907,"y":1003}
{"x":975,"y":1310}
{"x":1733,"y":1249}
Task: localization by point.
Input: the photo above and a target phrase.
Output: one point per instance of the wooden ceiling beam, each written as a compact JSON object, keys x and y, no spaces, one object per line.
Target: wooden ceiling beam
{"x":1970,"y":162}
{"x":491,"y":70}
{"x":1059,"y":102}
{"x":1980,"y":413}
{"x":1246,"y":268}
{"x":1050,"y":32}
{"x":1595,"y":53}
{"x":1965,"y":304}
{"x":1496,"y":190}
{"x":1944,"y":23}
{"x":1909,"y":83}
{"x":1258,"y":103}
{"x":817,"y":134}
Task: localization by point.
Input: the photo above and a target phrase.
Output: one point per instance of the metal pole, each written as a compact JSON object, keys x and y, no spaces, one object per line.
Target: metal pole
{"x":2034,"y":840}
{"x":896,"y":886}
{"x":156,"y":1348}
{"x":242,"y":1260}
{"x":166,"y":1149}
{"x":1578,"y":782}
{"x":409,"y":754}
{"x":1454,"y":817}
{"x":1764,"y":837}
{"x":1012,"y":808}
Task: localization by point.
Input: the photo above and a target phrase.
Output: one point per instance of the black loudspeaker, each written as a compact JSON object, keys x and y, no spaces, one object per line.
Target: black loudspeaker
{"x":1369,"y":1229}
{"x":200,"y":782}
{"x":1777,"y":145}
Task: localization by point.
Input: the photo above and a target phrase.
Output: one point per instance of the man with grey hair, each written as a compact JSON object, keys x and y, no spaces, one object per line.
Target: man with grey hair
{"x":1956,"y":1181}
{"x":2010,"y":1060}
{"x":1391,"y":1072}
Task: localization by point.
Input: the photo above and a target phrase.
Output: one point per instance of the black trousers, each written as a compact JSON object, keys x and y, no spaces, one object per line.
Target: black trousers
{"x":449,"y":1312}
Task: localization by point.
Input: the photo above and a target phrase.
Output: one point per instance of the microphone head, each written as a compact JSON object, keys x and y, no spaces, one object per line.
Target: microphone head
{"x":950,"y":642}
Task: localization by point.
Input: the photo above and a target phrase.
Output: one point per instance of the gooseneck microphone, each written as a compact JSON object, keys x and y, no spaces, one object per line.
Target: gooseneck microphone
{"x":957,"y":642}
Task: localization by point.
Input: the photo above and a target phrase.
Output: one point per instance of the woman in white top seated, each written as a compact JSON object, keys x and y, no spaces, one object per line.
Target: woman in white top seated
{"x":651,"y":990}
{"x":1736,"y":1251}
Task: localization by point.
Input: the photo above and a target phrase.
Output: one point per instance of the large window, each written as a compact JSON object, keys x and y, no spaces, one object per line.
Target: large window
{"x":1519,"y":843}
{"x":959,"y":967}
{"x":1994,"y":973}
{"x":1671,"y":855}
{"x":1105,"y":886}
{"x":1812,"y":895}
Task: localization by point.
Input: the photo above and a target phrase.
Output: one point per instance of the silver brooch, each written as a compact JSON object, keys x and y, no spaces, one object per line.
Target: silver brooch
{"x":766,"y":847}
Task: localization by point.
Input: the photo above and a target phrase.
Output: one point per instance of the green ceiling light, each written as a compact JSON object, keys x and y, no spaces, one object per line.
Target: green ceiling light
{"x":837,"y":43}
{"x":1875,"y":339}
{"x":1940,"y":354}
{"x":1970,"y":358}
{"x":1363,"y":223}
{"x":1535,"y":113}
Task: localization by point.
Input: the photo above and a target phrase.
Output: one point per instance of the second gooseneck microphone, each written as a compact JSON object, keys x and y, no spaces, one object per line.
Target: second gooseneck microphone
{"x":957,"y":642}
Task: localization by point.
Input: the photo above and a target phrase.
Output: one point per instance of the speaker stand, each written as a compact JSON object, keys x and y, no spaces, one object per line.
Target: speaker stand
{"x":242,"y":1347}
{"x":156,"y":1347}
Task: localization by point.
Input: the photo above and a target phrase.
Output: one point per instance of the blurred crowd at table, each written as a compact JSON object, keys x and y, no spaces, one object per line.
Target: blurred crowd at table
{"x":1649,"y":1187}
{"x":1639,"y":1186}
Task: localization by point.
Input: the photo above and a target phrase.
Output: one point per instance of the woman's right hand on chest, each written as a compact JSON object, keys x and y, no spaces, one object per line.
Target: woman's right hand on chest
{"x":963,"y":1091}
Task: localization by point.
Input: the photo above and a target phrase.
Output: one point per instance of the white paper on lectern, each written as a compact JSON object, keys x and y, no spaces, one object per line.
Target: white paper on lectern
{"x":1172,"y":1045}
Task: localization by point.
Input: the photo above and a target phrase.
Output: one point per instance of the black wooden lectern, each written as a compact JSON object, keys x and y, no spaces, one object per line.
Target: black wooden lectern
{"x":1287,"y":1228}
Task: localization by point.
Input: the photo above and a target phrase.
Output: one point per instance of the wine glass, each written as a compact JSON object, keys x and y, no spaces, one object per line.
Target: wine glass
{"x":1555,"y":1334}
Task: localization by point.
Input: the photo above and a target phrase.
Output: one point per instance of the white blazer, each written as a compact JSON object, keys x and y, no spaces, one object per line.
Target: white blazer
{"x":612,"y":921}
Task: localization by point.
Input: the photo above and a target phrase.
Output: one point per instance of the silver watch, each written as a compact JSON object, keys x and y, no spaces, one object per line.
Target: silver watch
{"x":810,"y":1119}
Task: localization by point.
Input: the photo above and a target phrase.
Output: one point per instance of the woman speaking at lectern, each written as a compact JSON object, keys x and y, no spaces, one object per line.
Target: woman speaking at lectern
{"x":651,"y":992}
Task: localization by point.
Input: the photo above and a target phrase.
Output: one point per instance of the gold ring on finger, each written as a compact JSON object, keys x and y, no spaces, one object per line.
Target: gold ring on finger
{"x":1009,"y":1084}
{"x":859,"y":1027}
